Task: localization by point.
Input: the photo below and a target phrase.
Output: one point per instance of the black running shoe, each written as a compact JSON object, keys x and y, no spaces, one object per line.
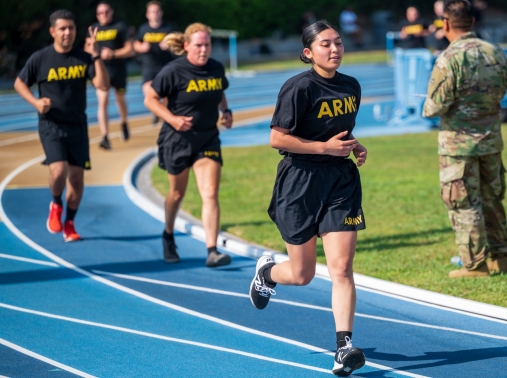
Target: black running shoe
{"x":260,"y":291}
{"x":170,"y":254}
{"x":216,"y":258}
{"x":155,"y":120}
{"x":125,"y":131}
{"x":348,"y":359}
{"x":105,"y":144}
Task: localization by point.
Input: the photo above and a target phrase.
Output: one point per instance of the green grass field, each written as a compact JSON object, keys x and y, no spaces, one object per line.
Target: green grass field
{"x":356,"y":57}
{"x":408,"y":238}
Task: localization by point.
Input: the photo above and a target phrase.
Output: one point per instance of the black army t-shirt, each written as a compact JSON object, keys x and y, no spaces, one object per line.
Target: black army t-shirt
{"x":443,"y":43}
{"x":412,"y":28}
{"x":112,"y":36}
{"x":315,"y":108}
{"x":193,"y":90}
{"x":156,"y":58}
{"x":62,"y":78}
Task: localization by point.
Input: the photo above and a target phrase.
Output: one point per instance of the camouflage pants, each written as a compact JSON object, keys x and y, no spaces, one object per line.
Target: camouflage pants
{"x":472,"y":188}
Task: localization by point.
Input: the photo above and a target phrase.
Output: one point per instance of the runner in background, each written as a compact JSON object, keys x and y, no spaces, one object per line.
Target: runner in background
{"x":61,"y":72}
{"x":194,"y":87}
{"x":115,"y":48}
{"x":149,"y":43}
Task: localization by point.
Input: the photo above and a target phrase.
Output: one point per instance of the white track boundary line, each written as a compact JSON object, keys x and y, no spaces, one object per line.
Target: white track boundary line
{"x":148,"y":298}
{"x":166,"y":338}
{"x":292,"y":303}
{"x":390,"y":289}
{"x":31,"y":261}
{"x":45,"y":359}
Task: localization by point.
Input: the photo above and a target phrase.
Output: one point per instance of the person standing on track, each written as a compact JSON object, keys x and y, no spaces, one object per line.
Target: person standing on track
{"x":317,"y":190}
{"x":436,"y":28}
{"x":194,"y":87}
{"x":61,"y":71}
{"x":467,"y":85}
{"x":115,"y":48}
{"x":413,"y":30}
{"x":149,"y":43}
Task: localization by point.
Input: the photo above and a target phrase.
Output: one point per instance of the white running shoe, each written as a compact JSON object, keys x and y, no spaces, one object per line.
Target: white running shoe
{"x":261,"y":291}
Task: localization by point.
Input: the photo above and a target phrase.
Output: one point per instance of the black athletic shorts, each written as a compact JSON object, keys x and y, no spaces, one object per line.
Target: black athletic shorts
{"x":314,"y":198}
{"x":118,"y":77}
{"x":180,"y":150}
{"x":65,"y":142}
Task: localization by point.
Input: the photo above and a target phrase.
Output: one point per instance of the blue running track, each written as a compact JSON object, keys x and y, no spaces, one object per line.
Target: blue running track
{"x":109,"y":306}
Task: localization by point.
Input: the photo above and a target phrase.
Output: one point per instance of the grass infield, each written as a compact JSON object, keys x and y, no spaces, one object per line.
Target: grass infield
{"x":355,"y":57}
{"x":408,"y":238}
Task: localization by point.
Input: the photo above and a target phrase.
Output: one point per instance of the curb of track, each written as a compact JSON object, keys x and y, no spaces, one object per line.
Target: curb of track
{"x":145,"y":199}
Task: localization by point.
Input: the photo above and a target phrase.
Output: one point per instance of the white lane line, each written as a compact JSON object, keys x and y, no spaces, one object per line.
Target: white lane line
{"x":205,"y":289}
{"x":31,"y":261}
{"x":166,"y":338}
{"x":45,"y":359}
{"x":292,"y":303}
{"x":151,"y":299}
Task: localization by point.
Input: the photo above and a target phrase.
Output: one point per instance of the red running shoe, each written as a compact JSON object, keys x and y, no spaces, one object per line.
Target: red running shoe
{"x":69,"y":232}
{"x":54,"y":222}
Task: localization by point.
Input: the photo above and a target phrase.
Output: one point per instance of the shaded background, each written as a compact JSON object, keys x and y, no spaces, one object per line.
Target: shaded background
{"x":24,"y":23}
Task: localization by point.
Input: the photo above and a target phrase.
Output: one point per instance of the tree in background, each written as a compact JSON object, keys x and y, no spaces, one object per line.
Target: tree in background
{"x":24,"y":23}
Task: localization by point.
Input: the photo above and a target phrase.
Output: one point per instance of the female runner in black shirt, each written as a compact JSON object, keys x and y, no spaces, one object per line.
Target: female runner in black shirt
{"x":194,"y":87}
{"x":317,"y":190}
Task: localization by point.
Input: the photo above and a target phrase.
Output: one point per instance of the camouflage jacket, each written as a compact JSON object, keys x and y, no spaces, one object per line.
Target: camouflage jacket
{"x":467,"y":84}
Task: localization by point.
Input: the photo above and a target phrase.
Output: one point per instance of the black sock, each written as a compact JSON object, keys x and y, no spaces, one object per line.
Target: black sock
{"x":58,"y":200}
{"x":267,"y":275}
{"x":340,"y":338}
{"x":212,"y":249}
{"x":167,"y":236}
{"x":70,"y":214}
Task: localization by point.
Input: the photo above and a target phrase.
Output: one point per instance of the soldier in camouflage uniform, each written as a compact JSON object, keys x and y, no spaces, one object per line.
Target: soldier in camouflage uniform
{"x":466,"y":87}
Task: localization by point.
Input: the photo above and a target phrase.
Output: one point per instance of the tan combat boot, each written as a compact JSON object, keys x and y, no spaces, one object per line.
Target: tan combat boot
{"x":498,"y":264}
{"x":482,"y":271}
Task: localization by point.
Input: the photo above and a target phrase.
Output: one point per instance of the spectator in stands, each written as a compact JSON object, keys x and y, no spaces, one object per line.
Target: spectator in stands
{"x":349,"y":26}
{"x":413,"y":30}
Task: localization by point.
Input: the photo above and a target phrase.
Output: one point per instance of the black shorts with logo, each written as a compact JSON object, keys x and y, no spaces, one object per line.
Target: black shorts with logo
{"x":180,"y":150}
{"x":65,"y":142}
{"x":118,"y":76}
{"x":314,"y":198}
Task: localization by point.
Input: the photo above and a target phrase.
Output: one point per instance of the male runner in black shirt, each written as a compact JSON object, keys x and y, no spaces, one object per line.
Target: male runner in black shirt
{"x":149,"y":43}
{"x":115,"y":47}
{"x":414,"y":30}
{"x":61,"y":71}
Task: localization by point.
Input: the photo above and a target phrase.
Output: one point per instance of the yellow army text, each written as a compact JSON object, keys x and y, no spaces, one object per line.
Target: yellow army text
{"x":67,"y":73}
{"x":338,"y":107}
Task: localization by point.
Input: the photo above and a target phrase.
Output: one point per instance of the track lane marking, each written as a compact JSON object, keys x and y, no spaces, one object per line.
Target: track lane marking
{"x":162,"y":337}
{"x":292,"y":303}
{"x":45,"y":359}
{"x":31,"y":261}
{"x":148,"y":298}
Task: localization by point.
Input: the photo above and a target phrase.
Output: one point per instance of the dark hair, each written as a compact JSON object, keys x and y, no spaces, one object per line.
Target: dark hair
{"x":104,"y":3}
{"x":460,"y":14}
{"x":60,"y":14}
{"x":154,"y":2}
{"x":310,"y":34}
